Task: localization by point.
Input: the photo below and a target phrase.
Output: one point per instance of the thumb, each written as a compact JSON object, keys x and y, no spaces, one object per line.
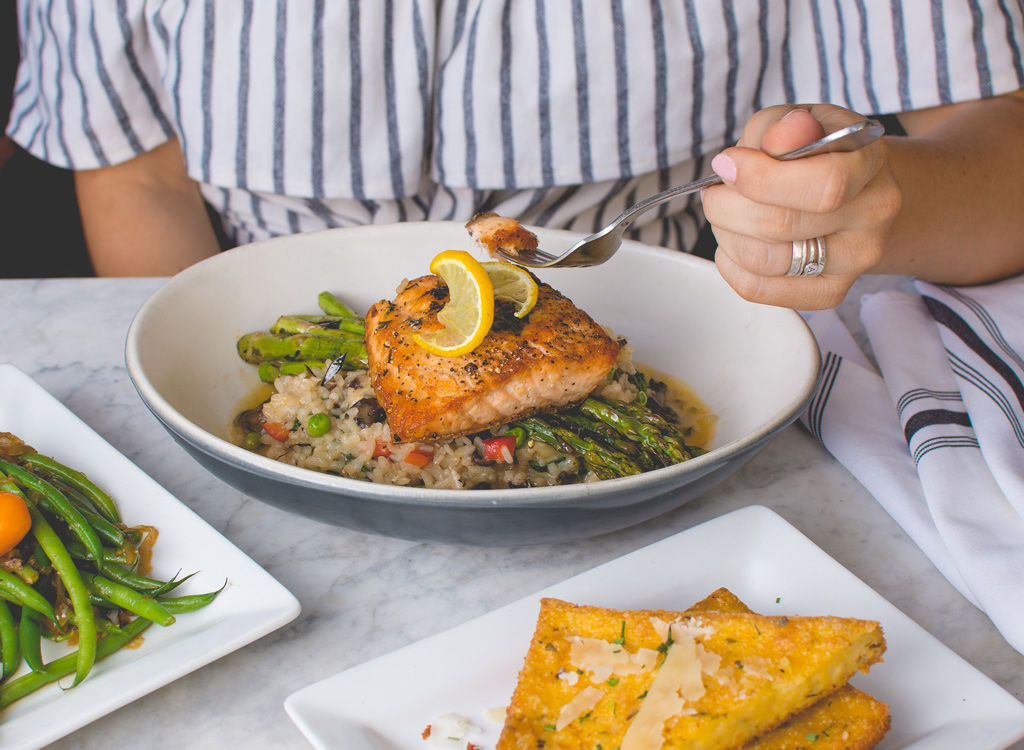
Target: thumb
{"x":796,"y":129}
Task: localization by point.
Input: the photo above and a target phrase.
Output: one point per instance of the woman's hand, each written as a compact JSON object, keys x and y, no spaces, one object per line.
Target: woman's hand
{"x":848,"y":199}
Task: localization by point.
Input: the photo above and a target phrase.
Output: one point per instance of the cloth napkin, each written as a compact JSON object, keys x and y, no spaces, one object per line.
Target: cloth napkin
{"x":936,"y":433}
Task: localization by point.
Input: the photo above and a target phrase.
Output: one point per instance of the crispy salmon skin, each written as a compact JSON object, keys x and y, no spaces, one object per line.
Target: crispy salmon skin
{"x":549,"y":360}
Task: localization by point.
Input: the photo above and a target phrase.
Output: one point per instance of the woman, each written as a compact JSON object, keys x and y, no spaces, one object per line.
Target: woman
{"x":293,"y":117}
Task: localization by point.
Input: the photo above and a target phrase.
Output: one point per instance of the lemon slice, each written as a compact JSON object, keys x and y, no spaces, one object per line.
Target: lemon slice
{"x":470,"y":310}
{"x":513,"y":283}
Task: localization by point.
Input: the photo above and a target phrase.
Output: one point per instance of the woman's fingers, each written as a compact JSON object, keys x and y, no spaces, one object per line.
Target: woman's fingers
{"x":797,"y":292}
{"x":848,"y":199}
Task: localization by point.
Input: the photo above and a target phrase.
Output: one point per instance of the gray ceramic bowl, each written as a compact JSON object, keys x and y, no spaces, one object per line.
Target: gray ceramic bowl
{"x":755,"y":366}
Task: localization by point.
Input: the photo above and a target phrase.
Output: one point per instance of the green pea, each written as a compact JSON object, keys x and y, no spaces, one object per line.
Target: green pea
{"x":251,"y":441}
{"x":318,"y":425}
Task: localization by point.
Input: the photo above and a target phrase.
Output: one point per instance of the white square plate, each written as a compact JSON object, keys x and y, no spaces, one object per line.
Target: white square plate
{"x":250,"y":606}
{"x":937,"y":700}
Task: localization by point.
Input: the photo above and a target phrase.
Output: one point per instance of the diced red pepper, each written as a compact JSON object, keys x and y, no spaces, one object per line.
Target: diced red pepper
{"x":380,"y":448}
{"x":495,"y":447}
{"x":418,"y":457}
{"x":277,"y":431}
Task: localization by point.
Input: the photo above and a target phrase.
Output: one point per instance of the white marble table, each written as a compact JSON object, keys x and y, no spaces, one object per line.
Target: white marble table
{"x":364,"y":596}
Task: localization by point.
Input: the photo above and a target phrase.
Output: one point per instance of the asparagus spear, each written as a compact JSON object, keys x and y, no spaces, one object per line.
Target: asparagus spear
{"x":603,"y":460}
{"x":320,"y":325}
{"x":664,"y":444}
{"x":334,"y":306}
{"x":260,"y":346}
{"x":606,"y":434}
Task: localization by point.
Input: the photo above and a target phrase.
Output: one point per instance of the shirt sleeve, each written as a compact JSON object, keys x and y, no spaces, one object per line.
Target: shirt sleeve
{"x":88,"y":90}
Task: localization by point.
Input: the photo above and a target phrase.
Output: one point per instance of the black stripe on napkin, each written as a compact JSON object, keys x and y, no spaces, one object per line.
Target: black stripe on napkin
{"x":918,"y":393}
{"x":816,"y":409}
{"x":931,"y":417}
{"x":945,"y":316}
{"x":933,"y":444}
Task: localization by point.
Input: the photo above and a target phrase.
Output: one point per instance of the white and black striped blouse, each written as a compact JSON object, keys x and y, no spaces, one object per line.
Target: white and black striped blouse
{"x":308,"y":114}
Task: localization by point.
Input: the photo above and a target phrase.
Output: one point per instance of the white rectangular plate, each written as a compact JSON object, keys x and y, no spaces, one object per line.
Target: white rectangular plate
{"x":250,"y":606}
{"x":937,"y":700}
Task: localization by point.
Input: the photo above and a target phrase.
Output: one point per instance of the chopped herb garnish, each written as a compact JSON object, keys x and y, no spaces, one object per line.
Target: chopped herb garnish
{"x":613,"y":681}
{"x":550,"y":727}
{"x":585,"y":717}
{"x":778,"y":599}
{"x":642,"y":695}
{"x":812,"y":737}
{"x":622,"y":637}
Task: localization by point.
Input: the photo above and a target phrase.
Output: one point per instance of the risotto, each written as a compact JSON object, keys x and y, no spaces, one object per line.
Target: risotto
{"x":349,"y":436}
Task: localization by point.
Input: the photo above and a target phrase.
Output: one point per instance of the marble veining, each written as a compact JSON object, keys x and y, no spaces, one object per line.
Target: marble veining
{"x":364,"y":596}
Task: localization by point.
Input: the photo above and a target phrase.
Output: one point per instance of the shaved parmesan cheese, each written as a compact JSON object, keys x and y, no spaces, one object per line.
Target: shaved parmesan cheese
{"x":603,"y":659}
{"x":582,"y":702}
{"x":450,"y":728}
{"x":677,"y":682}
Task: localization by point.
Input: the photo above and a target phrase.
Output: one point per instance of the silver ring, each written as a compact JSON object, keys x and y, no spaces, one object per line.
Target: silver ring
{"x":808,"y":257}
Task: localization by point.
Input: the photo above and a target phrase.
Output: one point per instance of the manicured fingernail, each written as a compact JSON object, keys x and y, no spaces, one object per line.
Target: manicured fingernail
{"x":724,"y":167}
{"x":702,"y":191}
{"x":792,"y":113}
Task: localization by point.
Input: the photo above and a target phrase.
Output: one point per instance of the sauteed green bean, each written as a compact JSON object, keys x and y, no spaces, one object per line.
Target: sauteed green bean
{"x":78,"y":574}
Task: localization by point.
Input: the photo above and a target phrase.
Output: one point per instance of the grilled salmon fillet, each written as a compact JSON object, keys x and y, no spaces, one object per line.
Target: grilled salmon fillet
{"x":551,"y":359}
{"x":493,"y":232}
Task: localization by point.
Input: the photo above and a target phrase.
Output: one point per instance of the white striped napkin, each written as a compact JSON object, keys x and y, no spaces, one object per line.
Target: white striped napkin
{"x":938,"y":437}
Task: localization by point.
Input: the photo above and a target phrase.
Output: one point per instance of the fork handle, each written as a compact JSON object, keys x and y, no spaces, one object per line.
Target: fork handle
{"x":630,"y":214}
{"x":850,"y":138}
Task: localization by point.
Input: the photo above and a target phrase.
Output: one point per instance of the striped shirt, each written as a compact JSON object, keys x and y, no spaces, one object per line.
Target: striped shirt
{"x":303,"y":115}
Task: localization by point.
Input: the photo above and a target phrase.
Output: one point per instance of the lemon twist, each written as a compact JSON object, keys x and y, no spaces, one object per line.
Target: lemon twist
{"x":513,"y":283}
{"x":469,"y":313}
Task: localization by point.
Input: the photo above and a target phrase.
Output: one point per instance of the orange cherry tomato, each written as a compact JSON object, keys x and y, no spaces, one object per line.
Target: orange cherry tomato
{"x":418,"y":457}
{"x":279,"y":432}
{"x":15,"y":521}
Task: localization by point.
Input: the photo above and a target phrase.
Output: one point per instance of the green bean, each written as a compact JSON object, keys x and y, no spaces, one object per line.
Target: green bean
{"x":28,"y":574}
{"x":99,"y":499}
{"x":77,"y":592}
{"x":42,"y":561}
{"x":78,"y":550}
{"x":10,"y":656}
{"x":65,"y":665}
{"x":15,"y":590}
{"x":179,"y":604}
{"x":106,"y":530}
{"x":57,"y":502}
{"x":129,"y":599}
{"x":103,"y":625}
{"x":142,"y":584}
{"x":29,"y":638}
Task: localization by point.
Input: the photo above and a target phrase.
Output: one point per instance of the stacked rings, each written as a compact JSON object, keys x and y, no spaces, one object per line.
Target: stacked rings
{"x":808,"y":257}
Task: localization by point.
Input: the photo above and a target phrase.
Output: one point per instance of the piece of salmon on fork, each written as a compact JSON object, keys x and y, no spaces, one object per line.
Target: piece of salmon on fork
{"x":500,"y":233}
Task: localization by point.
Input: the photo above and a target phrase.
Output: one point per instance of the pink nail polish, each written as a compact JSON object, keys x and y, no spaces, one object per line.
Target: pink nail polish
{"x":724,"y":167}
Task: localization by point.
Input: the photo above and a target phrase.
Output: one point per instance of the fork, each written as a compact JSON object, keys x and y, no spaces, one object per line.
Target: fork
{"x":599,"y":247}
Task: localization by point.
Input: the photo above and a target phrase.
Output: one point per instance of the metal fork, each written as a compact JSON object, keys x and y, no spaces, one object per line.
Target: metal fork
{"x":599,"y":247}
